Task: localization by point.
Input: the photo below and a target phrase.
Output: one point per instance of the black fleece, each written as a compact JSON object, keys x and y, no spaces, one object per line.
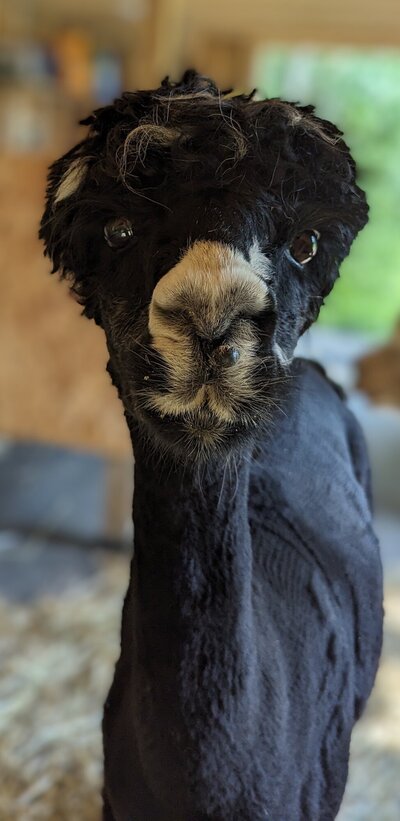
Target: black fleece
{"x":252,"y":625}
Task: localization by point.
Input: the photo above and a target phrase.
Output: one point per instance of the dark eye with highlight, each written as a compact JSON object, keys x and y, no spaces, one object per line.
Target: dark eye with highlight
{"x":304,"y":247}
{"x":118,"y":232}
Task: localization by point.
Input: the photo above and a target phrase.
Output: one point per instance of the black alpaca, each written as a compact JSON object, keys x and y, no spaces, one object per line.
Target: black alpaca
{"x":203,"y":231}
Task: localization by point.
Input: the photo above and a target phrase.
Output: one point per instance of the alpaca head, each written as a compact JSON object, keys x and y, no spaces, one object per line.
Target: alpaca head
{"x":202,"y":231}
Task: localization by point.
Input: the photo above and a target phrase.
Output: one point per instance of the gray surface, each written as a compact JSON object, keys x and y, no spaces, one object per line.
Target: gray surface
{"x":56,"y":494}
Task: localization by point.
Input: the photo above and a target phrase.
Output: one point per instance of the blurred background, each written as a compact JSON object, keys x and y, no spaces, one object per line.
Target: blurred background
{"x":65,"y":463}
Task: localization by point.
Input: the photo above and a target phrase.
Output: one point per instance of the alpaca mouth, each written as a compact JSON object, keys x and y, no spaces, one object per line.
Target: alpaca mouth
{"x":201,"y":430}
{"x":205,"y":402}
{"x":201,"y":416}
{"x":193,"y":432}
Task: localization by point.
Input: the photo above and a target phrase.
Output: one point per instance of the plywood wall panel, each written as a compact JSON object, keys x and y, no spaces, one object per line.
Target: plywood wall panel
{"x":53,"y":384}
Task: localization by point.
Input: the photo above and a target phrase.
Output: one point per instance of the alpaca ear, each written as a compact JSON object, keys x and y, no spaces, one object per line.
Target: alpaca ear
{"x":69,"y":181}
{"x":58,"y":227}
{"x":64,"y":180}
{"x":322,"y":148}
{"x":314,"y":148}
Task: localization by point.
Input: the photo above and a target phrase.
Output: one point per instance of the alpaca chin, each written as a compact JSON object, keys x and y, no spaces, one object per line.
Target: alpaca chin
{"x":195,"y":437}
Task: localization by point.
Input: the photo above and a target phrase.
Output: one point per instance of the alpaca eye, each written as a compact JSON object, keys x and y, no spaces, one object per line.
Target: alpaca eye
{"x":304,"y":247}
{"x":118,"y":232}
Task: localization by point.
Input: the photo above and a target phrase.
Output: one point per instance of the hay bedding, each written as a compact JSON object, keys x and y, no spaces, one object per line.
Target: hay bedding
{"x":58,"y":653}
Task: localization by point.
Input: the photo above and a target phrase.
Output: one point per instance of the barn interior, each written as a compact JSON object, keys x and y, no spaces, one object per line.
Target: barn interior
{"x":65,"y":457}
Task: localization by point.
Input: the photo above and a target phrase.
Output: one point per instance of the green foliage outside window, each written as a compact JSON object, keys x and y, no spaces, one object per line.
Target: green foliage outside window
{"x":360,"y":92}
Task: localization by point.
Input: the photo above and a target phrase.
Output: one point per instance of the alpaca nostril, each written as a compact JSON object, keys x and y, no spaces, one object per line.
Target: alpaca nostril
{"x":227,"y":355}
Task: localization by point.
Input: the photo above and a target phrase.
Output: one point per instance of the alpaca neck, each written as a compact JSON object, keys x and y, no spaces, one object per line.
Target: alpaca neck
{"x":192,"y":572}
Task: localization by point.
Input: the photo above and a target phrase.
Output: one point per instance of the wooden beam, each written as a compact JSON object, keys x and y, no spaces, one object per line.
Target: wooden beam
{"x":226,"y":60}
{"x":347,"y":22}
{"x":157,"y":44}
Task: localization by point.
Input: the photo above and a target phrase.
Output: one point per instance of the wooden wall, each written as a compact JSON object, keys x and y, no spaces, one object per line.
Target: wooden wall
{"x":53,"y":384}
